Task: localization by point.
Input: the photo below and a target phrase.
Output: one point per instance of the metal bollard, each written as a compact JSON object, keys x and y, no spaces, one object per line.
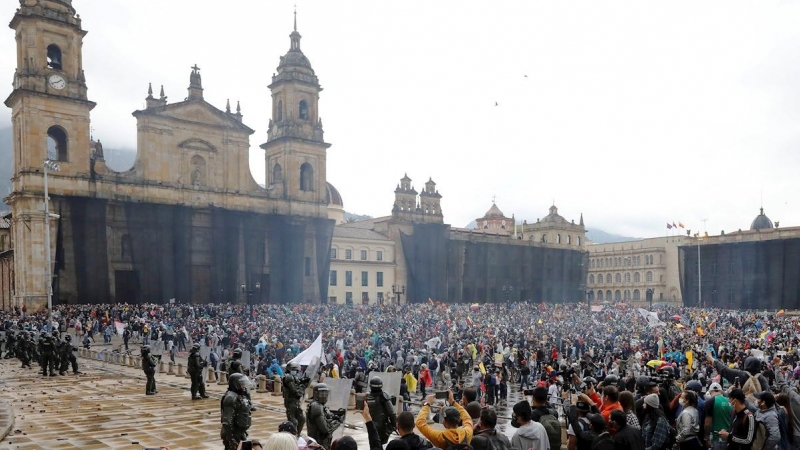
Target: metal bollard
{"x":262,"y":384}
{"x":278,"y":386}
{"x":223,"y":378}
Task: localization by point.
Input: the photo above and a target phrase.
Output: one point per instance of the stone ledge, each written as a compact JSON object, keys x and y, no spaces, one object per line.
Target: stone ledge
{"x":6,"y":419}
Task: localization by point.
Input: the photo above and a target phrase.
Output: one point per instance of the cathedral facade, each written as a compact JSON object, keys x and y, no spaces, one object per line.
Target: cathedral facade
{"x":187,"y":221}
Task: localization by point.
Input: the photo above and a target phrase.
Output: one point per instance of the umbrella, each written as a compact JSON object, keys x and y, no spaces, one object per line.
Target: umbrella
{"x":676,"y":317}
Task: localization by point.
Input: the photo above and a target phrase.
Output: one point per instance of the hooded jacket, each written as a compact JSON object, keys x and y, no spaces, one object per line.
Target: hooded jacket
{"x":531,"y":435}
{"x":440,"y":438}
{"x":769,"y":417}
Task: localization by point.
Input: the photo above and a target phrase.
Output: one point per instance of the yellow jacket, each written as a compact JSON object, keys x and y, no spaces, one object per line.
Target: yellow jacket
{"x":411,"y":382}
{"x":453,"y":435}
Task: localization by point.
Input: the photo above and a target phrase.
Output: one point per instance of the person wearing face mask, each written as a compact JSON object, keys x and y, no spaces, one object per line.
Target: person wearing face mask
{"x":688,"y":423}
{"x":293,"y":390}
{"x":529,"y":434}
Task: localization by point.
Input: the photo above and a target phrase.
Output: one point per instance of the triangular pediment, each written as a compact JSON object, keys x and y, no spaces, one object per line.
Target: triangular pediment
{"x":196,"y":112}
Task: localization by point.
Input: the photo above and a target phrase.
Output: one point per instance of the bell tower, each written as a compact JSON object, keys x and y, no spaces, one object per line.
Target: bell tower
{"x":295,"y":148}
{"x":50,"y":119}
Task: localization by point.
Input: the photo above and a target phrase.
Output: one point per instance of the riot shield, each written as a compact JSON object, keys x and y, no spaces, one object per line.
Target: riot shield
{"x":313,"y":368}
{"x":157,"y":348}
{"x":204,"y":352}
{"x":246,"y":363}
{"x":338,"y":398}
{"x":391,"y":382}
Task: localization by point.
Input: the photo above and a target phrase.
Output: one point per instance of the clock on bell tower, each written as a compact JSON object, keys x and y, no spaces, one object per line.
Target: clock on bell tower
{"x":50,"y":120}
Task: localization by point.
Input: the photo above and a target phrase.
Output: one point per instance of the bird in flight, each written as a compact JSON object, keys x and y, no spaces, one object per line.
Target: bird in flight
{"x":525,"y":76}
{"x":496,"y":104}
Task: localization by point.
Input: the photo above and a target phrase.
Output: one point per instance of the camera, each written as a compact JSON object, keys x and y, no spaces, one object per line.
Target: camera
{"x":441,"y":395}
{"x":527,"y":392}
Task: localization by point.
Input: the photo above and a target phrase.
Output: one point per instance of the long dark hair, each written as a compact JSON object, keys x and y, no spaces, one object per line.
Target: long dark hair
{"x":785,"y":401}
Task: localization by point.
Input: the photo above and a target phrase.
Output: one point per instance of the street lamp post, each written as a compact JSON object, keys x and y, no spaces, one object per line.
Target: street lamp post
{"x":398,"y":291}
{"x":254,"y":290}
{"x":48,"y":165}
{"x":650,"y":294}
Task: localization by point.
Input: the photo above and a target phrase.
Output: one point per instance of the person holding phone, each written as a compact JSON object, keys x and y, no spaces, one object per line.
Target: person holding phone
{"x":457,"y":423}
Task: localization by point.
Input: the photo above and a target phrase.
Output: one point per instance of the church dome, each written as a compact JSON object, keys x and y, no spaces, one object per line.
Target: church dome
{"x":494,"y":211}
{"x":333,"y":197}
{"x":554,"y":217}
{"x":761,"y":222}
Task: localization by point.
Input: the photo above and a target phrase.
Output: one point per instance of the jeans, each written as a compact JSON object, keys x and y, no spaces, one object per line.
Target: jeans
{"x":722,"y":445}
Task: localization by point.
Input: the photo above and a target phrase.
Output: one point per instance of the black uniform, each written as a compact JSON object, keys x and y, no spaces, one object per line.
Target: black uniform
{"x":322,"y":423}
{"x":149,"y":367}
{"x":382,"y":412}
{"x":235,"y":415}
{"x":65,"y":350}
{"x":293,"y":390}
{"x":196,"y":366}
{"x":48,"y":350}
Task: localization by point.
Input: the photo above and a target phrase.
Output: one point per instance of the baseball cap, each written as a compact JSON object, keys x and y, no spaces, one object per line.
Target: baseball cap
{"x":766,"y":397}
{"x":596,"y":420}
{"x":582,"y":406}
{"x":715,"y":387}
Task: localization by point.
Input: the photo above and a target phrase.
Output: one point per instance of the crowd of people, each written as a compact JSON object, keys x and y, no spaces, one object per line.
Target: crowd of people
{"x":619,"y":378}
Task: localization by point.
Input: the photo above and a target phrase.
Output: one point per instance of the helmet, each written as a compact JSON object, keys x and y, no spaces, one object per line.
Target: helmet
{"x":695,"y":386}
{"x":145,"y":349}
{"x":359,"y":369}
{"x":292,"y":366}
{"x":237,"y":353}
{"x":610,"y":380}
{"x":321,"y":393}
{"x":55,"y":333}
{"x":376,"y":384}
{"x":590,"y":380}
{"x":644,"y":382}
{"x":667,"y":371}
{"x":196,"y":346}
{"x":238,"y":382}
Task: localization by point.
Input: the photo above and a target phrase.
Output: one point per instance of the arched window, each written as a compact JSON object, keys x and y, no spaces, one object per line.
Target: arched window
{"x":627,"y":295}
{"x":54,"y":57}
{"x":591,"y":279}
{"x":608,"y":296}
{"x":618,"y":278}
{"x":617,"y":296}
{"x":279,"y":112}
{"x":544,"y":237}
{"x":636,"y":277}
{"x":599,"y":278}
{"x":608,"y":278}
{"x":600,"y":296}
{"x":579,"y":240}
{"x":648,"y":277}
{"x":569,"y":240}
{"x":303,"y":110}
{"x":56,"y":144}
{"x":277,"y":173}
{"x":558,"y":239}
{"x":306,"y":177}
{"x":636,"y":295}
{"x":198,"y":169}
{"x":628,"y":277}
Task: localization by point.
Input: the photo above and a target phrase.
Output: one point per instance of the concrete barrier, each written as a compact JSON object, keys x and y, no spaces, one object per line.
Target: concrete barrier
{"x":277,"y":386}
{"x":223,"y":378}
{"x":180,"y":371}
{"x":162,"y":367}
{"x":212,"y":376}
{"x":171,"y":367}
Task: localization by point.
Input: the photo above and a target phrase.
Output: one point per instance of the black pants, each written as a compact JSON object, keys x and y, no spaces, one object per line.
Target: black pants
{"x":48,"y":361}
{"x":691,"y":444}
{"x":65,"y":362}
{"x":150,"y":387}
{"x":197,"y":385}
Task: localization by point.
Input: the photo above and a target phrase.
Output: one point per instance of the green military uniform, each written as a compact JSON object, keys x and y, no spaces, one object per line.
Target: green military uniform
{"x":149,"y":367}
{"x":235,"y":414}
{"x":293,"y":391}
{"x":321,"y":423}
{"x":196,"y":366}
{"x":381,"y":410}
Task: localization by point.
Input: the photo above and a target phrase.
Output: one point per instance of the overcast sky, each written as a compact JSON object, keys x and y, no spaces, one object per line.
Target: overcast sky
{"x":634,"y":113}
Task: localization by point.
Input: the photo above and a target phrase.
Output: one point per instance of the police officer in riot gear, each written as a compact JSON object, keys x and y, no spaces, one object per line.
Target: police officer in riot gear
{"x":235,"y":364}
{"x":48,"y":350}
{"x":235,"y":412}
{"x":321,"y":421}
{"x":149,"y":367}
{"x":65,"y":350}
{"x":11,"y":343}
{"x":381,"y":409}
{"x":24,"y":350}
{"x":293,"y":390}
{"x":196,"y":366}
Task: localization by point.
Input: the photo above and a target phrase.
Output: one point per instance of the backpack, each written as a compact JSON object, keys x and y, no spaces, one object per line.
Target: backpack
{"x":553,"y":428}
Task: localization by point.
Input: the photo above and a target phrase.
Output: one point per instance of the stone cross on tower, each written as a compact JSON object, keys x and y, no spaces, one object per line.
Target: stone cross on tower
{"x":195,"y":84}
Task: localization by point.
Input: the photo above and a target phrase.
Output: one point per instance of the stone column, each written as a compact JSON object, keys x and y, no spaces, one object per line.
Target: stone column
{"x":223,"y":378}
{"x":277,"y":386}
{"x":162,"y":366}
{"x":171,"y":370}
{"x":212,"y":376}
{"x":262,"y":384}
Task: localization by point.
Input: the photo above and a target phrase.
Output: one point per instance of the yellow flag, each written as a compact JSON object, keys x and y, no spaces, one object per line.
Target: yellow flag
{"x":689,"y":359}
{"x":483,"y":369}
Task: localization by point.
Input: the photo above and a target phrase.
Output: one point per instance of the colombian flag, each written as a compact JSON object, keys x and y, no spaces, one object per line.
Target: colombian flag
{"x":781,"y":313}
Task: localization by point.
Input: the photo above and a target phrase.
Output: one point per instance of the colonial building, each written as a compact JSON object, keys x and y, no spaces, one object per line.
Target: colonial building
{"x":187,"y":221}
{"x":757,"y":268}
{"x":640,"y":272}
{"x":495,"y":220}
{"x":553,"y":229}
{"x":433,"y":260}
{"x":6,"y":263}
